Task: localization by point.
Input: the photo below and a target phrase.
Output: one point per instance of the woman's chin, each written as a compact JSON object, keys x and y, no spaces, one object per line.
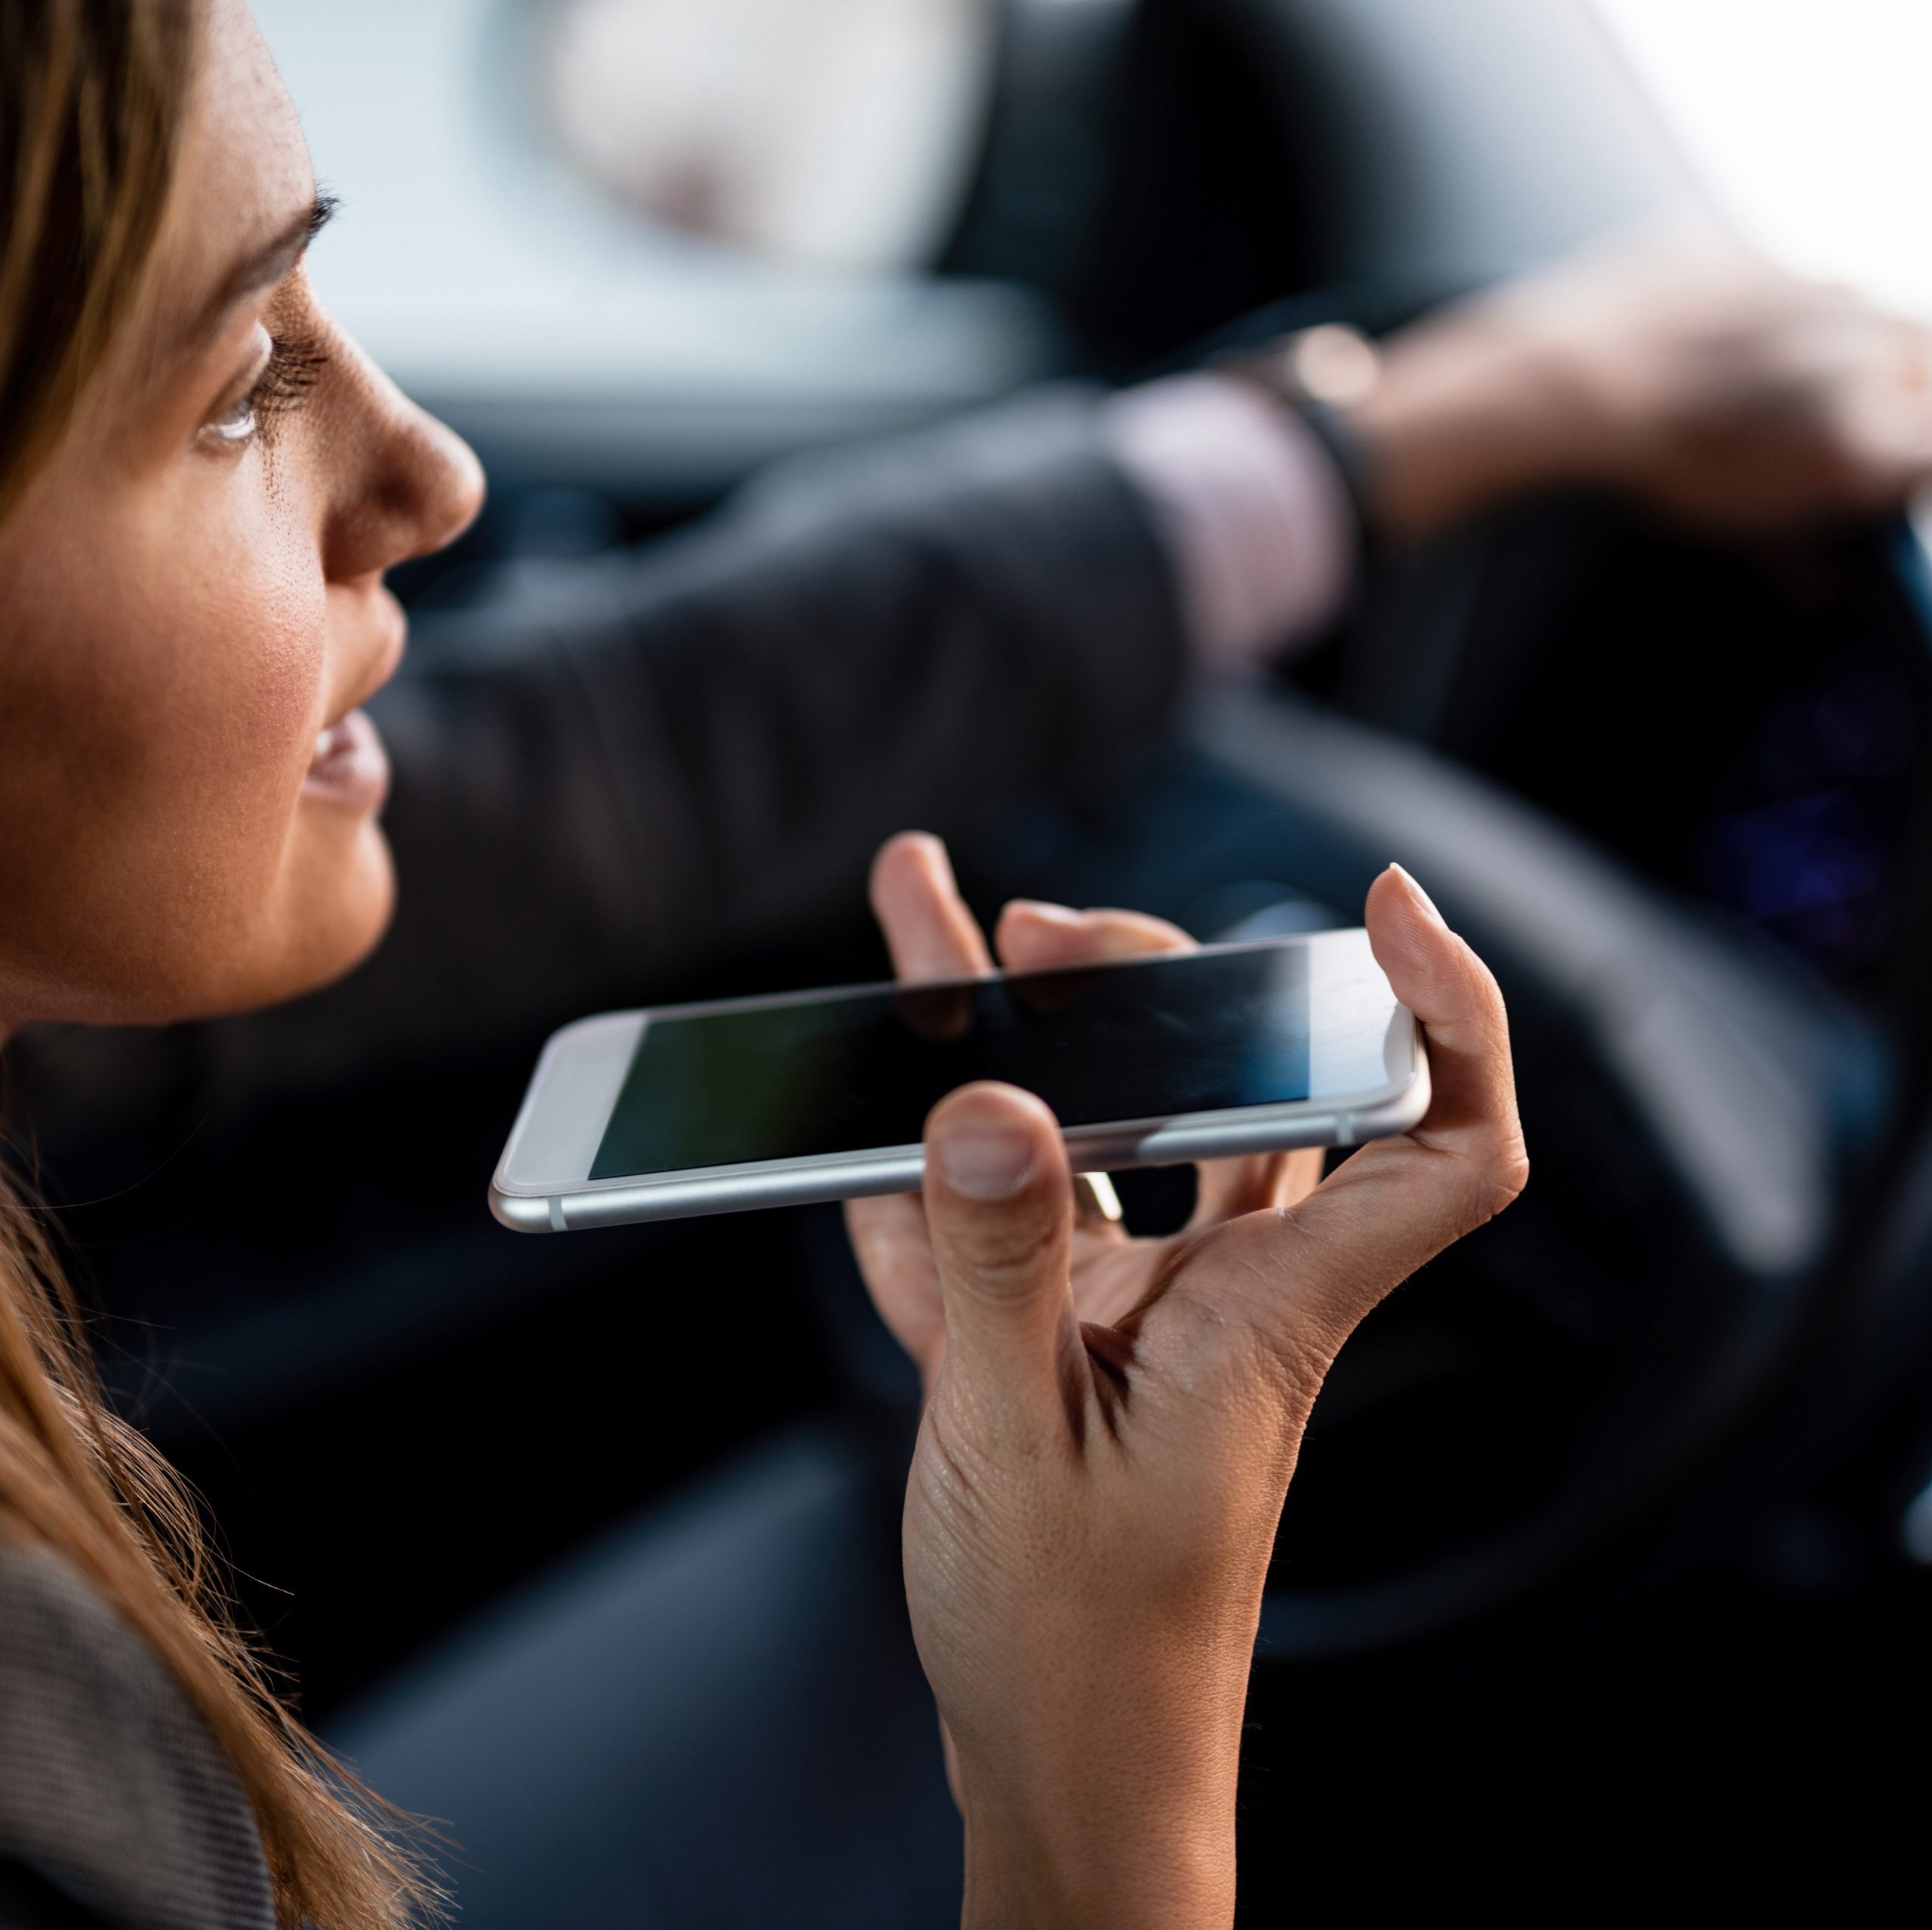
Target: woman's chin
{"x":340,"y":927}
{"x":318,"y":922}
{"x":333,"y":915}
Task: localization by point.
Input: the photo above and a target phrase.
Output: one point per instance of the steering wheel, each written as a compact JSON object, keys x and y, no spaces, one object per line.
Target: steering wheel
{"x":1507,"y":1428}
{"x":1538,"y":717}
{"x":1505,"y":1440}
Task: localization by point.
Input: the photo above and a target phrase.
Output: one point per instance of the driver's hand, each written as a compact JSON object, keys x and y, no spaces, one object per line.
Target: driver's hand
{"x":1112,"y":1423}
{"x":1681,"y":368}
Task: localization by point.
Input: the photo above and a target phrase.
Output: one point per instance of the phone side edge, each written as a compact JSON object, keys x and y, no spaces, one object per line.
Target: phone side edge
{"x":524,"y":1213}
{"x":1239,"y":1133}
{"x":1403,"y":1110}
{"x":744,"y":1190}
{"x":902,"y":1170}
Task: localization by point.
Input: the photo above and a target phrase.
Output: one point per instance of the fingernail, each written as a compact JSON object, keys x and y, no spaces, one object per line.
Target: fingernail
{"x":942,"y":859}
{"x":1422,"y":897}
{"x":985,"y":1163}
{"x":1047,"y":914}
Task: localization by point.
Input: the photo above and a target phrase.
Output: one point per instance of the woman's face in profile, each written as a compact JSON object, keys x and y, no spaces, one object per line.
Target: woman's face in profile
{"x":192,"y":609}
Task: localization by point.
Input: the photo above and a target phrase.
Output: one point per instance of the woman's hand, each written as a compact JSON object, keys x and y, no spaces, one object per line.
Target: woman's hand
{"x":1112,"y":1423}
{"x":1682,"y":369}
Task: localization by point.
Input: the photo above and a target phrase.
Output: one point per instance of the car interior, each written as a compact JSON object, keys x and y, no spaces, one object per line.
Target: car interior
{"x":1642,"y":1461}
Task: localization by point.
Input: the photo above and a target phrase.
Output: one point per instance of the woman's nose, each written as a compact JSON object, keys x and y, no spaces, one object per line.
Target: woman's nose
{"x":450,"y":483}
{"x":411,"y":486}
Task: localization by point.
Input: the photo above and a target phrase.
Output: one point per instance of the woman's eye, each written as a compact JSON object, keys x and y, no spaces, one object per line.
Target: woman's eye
{"x":235,"y":423}
{"x":290,"y":367}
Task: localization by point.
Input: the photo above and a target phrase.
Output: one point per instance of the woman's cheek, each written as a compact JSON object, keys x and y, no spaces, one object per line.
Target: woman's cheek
{"x":264,"y":667}
{"x":229,"y":729}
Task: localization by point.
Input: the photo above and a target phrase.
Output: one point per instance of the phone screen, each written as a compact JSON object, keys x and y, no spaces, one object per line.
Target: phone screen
{"x":854,"y":1071}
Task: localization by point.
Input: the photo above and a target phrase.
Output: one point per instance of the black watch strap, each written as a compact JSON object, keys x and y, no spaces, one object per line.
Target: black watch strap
{"x":1314,"y":372}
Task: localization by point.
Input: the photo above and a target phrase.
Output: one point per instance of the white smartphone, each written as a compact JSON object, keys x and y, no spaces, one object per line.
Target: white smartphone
{"x":824,"y":1095}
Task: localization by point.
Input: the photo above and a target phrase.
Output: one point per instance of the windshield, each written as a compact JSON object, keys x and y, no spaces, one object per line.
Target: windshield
{"x":1806,"y":120}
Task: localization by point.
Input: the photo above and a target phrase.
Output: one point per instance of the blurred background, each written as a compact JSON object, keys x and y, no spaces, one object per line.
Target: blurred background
{"x":758,"y":223}
{"x":1612,"y":1543}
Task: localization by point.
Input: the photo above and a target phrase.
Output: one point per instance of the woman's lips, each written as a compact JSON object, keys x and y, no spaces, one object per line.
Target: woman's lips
{"x":350,"y":769}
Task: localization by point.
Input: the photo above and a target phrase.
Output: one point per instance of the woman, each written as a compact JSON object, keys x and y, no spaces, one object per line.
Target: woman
{"x":201,"y":484}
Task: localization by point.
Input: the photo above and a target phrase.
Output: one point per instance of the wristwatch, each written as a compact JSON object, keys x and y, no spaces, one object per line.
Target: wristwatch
{"x":1320,"y":373}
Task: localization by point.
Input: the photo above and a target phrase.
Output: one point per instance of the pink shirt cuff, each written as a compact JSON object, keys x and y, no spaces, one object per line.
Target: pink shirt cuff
{"x":1258,"y":522}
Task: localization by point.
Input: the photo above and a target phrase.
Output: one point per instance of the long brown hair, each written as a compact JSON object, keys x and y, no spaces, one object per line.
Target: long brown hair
{"x":93,"y":96}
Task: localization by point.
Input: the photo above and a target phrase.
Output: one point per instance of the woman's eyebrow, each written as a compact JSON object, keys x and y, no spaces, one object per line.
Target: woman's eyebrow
{"x":271,"y":262}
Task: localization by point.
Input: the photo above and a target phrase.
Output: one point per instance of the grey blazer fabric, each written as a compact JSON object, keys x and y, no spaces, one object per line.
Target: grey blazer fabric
{"x":117,"y":1807}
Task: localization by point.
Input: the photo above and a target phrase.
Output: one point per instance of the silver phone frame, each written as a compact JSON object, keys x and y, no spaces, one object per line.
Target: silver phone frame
{"x":1339,"y":1119}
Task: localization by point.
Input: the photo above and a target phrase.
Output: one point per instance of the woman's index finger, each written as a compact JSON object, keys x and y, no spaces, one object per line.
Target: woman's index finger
{"x":929,"y":930}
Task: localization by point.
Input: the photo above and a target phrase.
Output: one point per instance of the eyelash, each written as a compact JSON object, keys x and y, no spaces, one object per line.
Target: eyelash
{"x":294,"y":365}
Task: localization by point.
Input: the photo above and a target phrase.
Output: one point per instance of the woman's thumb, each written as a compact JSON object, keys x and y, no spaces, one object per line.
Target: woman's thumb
{"x":999,"y":1206}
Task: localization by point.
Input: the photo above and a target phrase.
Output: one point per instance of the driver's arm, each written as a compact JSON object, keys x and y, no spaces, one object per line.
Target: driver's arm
{"x":631,"y":766}
{"x":618,"y":770}
{"x":1677,"y":368}
{"x":668,"y":755}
